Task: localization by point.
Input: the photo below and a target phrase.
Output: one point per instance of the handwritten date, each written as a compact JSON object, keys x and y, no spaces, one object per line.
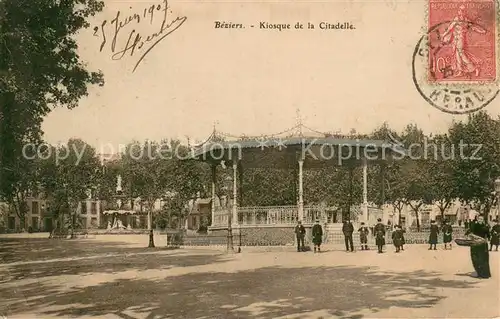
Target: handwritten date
{"x":137,"y":43}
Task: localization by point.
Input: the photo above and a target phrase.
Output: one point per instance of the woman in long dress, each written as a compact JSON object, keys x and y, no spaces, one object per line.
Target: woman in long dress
{"x":479,"y":254}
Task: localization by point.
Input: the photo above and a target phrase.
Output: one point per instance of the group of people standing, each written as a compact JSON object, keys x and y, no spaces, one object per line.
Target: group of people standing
{"x":379,"y":232}
{"x":317,"y":236}
{"x":348,"y":230}
{"x":478,"y":227}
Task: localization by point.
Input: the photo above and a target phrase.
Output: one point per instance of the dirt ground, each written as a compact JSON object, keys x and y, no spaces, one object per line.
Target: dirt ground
{"x":116,"y":277}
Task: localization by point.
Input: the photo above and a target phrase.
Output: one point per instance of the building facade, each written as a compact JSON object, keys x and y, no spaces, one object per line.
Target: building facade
{"x":39,"y":218}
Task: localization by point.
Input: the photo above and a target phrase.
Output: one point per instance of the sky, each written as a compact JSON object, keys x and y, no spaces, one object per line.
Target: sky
{"x":252,"y":81}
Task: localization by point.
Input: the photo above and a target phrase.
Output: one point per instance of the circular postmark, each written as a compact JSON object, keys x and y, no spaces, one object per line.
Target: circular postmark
{"x":437,"y":81}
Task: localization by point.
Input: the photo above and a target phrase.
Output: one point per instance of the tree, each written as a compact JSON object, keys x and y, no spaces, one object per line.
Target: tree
{"x":145,"y":174}
{"x":23,"y":181}
{"x":384,"y":180}
{"x":39,"y":69}
{"x":417,"y":190}
{"x":184,"y":182}
{"x":395,"y":188}
{"x":69,"y":174}
{"x":440,"y":169}
{"x":414,"y":170}
{"x":477,"y":160}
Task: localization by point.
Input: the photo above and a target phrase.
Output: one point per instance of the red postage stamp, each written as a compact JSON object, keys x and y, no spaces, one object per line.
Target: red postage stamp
{"x":462,"y":41}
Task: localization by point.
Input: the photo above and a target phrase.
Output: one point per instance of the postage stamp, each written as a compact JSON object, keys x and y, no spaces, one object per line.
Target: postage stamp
{"x":462,"y":44}
{"x":456,"y":63}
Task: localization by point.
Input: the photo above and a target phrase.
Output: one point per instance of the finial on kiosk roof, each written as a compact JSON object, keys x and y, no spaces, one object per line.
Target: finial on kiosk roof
{"x":299,"y":121}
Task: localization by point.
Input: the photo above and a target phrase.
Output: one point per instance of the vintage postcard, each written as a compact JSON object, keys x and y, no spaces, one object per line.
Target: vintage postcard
{"x":249,"y":159}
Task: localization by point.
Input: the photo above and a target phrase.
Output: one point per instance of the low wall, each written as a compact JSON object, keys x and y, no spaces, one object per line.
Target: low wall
{"x":410,"y":237}
{"x":259,"y":236}
{"x":284,"y":235}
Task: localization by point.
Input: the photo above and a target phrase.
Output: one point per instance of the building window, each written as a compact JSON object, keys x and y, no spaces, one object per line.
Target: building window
{"x":83,"y":208}
{"x":93,"y":208}
{"x":93,"y":222}
{"x":34,"y":208}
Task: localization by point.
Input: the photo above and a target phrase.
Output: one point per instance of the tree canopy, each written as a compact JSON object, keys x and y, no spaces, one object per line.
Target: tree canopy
{"x":39,"y":69}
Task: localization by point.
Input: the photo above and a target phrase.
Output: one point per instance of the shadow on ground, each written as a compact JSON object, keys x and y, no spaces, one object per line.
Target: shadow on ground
{"x":35,"y":249}
{"x":270,"y":292}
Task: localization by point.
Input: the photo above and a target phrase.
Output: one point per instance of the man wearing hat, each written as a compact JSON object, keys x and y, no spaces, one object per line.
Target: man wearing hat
{"x":317,"y":236}
{"x":433,"y":236}
{"x":348,"y":229}
{"x":363,"y":236}
{"x":300,"y":232}
{"x":379,"y":232}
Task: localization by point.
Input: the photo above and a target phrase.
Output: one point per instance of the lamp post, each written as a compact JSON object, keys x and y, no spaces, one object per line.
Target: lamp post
{"x":228,"y":186}
{"x":497,"y":191}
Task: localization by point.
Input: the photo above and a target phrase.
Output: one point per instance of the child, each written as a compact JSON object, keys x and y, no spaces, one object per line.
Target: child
{"x":363,"y":236}
{"x":397,"y":238}
{"x":447,"y":231}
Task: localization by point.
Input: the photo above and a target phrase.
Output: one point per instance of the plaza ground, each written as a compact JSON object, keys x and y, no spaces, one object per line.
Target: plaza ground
{"x":116,"y":277}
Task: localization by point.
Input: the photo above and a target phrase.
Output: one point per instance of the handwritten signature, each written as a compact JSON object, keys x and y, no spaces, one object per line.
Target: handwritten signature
{"x":137,"y":42}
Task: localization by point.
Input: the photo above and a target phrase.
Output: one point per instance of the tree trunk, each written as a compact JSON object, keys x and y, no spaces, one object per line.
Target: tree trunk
{"x":418,"y":221}
{"x":150,"y":228}
{"x":441,"y":210}
{"x":22,"y":221}
{"x":73,"y":222}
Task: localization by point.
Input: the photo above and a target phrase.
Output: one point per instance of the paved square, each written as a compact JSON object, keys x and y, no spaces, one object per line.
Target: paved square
{"x":115,"y":277}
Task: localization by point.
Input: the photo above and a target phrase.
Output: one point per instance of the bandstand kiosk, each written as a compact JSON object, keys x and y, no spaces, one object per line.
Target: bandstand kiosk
{"x":291,"y":149}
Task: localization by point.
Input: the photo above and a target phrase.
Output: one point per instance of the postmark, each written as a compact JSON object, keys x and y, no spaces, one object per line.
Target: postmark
{"x":455,"y":64}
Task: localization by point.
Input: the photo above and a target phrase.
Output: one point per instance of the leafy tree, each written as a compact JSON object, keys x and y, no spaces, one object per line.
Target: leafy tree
{"x":477,"y":160}
{"x":39,"y":69}
{"x":395,"y":187}
{"x":68,"y":175}
{"x":269,"y":187}
{"x":414,"y":171}
{"x":144,"y":174}
{"x":417,"y":190}
{"x":186,"y":179}
{"x":106,"y":187}
{"x":23,"y":175}
{"x":440,"y":168}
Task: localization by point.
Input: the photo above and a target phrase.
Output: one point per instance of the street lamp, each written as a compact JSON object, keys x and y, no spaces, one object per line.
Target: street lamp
{"x":228,"y":186}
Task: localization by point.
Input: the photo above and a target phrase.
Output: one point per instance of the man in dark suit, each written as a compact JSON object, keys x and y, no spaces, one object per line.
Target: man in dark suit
{"x":300,"y":233}
{"x":317,"y":236}
{"x":379,"y":231}
{"x":348,"y":229}
{"x":433,"y":235}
